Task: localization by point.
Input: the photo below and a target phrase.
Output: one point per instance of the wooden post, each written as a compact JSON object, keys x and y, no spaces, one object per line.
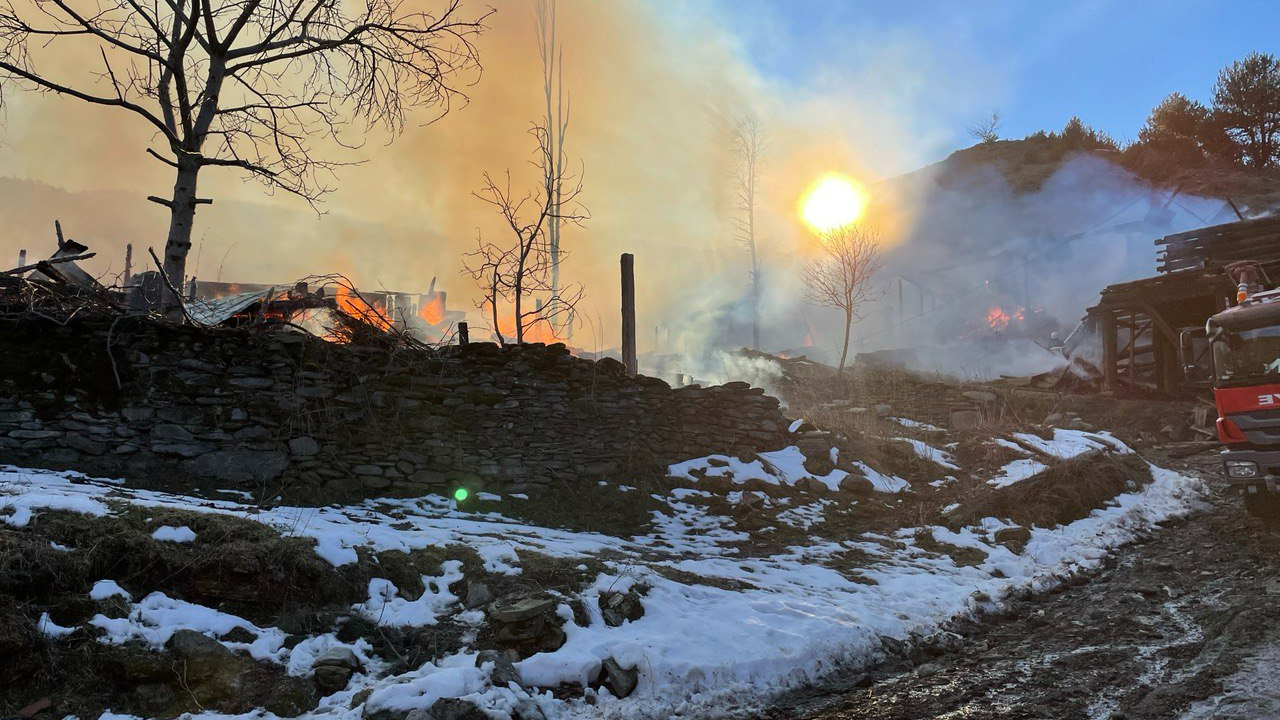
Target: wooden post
{"x":128,"y":265}
{"x":629,"y":313}
{"x":22,"y":257}
{"x":1108,"y":350}
{"x":464,"y":335}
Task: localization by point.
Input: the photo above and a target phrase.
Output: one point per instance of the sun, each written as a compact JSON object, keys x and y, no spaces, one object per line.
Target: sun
{"x":832,"y":201}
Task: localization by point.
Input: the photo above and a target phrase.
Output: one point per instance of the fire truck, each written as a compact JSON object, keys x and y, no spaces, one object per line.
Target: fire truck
{"x":1246,"y":361}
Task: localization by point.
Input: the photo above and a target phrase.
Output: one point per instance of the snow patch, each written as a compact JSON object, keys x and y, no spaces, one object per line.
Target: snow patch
{"x":169,"y":533}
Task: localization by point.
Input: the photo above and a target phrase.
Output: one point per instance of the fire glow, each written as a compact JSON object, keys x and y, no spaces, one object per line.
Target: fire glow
{"x":998,"y":319}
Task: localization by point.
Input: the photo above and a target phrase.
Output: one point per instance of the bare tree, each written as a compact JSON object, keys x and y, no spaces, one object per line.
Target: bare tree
{"x":841,"y":275}
{"x":748,"y":151}
{"x":987,"y":130}
{"x":557,"y":120}
{"x":245,"y":84}
{"x":515,"y":271}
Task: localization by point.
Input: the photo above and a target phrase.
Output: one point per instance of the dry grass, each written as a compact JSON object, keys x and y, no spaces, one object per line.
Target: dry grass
{"x":1065,"y":492}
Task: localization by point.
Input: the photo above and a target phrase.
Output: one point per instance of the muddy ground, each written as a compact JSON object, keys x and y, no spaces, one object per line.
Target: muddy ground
{"x":1182,"y":625}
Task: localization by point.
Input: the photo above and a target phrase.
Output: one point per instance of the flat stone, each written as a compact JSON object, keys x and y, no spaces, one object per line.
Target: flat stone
{"x":182,"y":449}
{"x":514,"y":609}
{"x":137,"y":414}
{"x":85,"y":445}
{"x":238,"y":466}
{"x":171,"y":433}
{"x":35,"y":434}
{"x":304,"y":446}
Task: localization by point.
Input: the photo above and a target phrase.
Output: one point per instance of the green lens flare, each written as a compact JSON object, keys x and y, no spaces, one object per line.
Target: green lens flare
{"x":461,"y":494}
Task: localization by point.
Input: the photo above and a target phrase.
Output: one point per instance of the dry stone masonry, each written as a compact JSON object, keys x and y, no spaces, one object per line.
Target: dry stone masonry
{"x":290,"y":414}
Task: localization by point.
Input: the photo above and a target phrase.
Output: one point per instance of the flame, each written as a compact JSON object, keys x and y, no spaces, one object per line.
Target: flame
{"x":433,"y":310}
{"x":356,"y":306}
{"x":537,"y":331}
{"x":998,"y":319}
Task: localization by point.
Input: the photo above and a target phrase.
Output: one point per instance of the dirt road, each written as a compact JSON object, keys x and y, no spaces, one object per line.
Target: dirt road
{"x":1183,"y":625}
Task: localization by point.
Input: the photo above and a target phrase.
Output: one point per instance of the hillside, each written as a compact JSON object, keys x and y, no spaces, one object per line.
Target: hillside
{"x":1028,"y":163}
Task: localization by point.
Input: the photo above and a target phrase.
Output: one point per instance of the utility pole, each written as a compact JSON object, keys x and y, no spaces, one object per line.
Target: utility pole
{"x":629,"y":314}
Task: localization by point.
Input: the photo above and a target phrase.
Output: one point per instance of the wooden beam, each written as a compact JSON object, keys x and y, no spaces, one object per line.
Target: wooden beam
{"x":1109,"y":375}
{"x":629,"y":314}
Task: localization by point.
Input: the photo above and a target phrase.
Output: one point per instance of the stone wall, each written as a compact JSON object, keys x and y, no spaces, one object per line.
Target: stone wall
{"x":289,"y":414}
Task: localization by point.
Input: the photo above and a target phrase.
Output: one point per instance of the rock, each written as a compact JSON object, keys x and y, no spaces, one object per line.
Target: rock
{"x":856,"y":484}
{"x":304,"y":446}
{"x":211,"y":673}
{"x":171,"y":433}
{"x":251,"y":432}
{"x":504,"y":671}
{"x":199,"y":651}
{"x":883,"y":409}
{"x":1013,"y":538}
{"x":457,"y":709}
{"x":982,"y":396}
{"x":85,"y":444}
{"x":238,"y":466}
{"x":329,"y":679}
{"x":389,"y":714}
{"x":527,"y":709}
{"x":289,"y":697}
{"x":620,"y":681}
{"x":183,"y":449}
{"x":519,"y":608}
{"x":238,"y":634}
{"x":339,"y":657}
{"x":965,"y":419}
{"x":928,"y":669}
{"x":478,"y":595}
{"x":618,"y":608}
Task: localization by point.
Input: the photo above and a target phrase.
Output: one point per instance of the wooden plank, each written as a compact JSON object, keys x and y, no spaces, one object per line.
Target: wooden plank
{"x":1109,"y":374}
{"x":1218,"y":229}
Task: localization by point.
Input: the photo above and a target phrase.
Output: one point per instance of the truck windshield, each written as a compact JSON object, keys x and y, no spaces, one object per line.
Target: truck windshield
{"x":1248,"y":354}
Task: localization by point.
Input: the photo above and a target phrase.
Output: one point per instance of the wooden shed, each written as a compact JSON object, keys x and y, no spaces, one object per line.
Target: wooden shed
{"x":1151,"y":327}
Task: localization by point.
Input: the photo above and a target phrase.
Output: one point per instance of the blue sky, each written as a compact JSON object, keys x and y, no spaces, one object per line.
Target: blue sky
{"x":1039,"y":62}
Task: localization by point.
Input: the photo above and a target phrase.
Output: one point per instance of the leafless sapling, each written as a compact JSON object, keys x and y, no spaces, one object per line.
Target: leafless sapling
{"x":748,"y":151}
{"x":557,"y":119}
{"x":519,"y":269}
{"x":987,"y":130}
{"x":841,"y":275}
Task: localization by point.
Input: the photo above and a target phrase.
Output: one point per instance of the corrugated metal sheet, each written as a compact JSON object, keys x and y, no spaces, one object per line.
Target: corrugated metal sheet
{"x":216,"y":312}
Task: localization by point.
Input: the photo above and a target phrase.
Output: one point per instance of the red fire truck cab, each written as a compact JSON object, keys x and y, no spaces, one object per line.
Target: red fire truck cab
{"x":1246,"y":389}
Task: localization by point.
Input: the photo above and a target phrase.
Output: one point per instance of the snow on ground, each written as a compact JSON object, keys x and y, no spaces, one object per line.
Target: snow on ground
{"x":930,"y":453}
{"x":1017,"y":471}
{"x":1070,"y":443}
{"x":182,"y":534}
{"x":916,"y":424}
{"x":881,"y":482}
{"x":776,"y":622}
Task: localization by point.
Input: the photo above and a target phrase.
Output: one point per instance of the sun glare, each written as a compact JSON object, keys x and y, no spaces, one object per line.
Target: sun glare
{"x":832,"y":201}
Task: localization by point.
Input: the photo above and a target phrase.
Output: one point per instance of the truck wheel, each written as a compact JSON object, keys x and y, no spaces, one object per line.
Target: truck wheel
{"x":1263,"y":505}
